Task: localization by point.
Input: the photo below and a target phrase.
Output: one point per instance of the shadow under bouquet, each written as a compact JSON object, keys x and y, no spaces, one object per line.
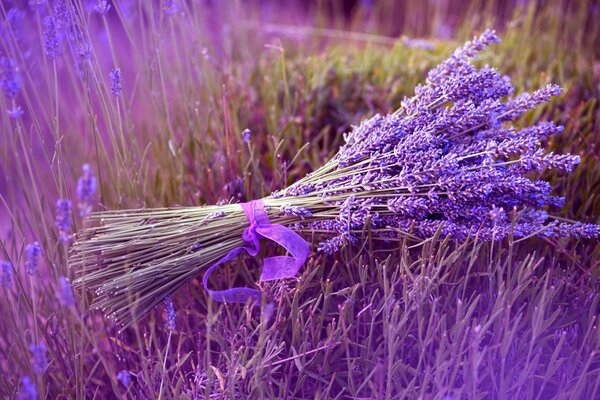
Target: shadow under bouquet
{"x":448,"y":161}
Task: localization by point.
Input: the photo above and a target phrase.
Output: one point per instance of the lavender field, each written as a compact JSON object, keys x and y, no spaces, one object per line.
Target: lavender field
{"x":432,"y":167}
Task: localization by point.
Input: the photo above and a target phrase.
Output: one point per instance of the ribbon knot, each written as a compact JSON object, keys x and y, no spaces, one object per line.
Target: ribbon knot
{"x":277,"y":267}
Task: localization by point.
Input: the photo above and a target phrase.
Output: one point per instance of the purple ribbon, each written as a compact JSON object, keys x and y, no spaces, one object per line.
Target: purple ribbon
{"x":278,"y":267}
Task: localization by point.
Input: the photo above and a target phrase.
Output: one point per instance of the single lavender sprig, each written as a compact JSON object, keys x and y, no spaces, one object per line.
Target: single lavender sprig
{"x":33,"y":254}
{"x":6,"y":274}
{"x":27,"y":390}
{"x":87,"y":186}
{"x":63,"y":220}
{"x":116,"y":84}
{"x":54,"y":36}
{"x":170,"y":313}
{"x":65,"y":292}
{"x":10,"y":83}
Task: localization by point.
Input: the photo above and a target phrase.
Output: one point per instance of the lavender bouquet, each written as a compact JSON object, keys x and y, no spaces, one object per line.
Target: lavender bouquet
{"x":448,"y":160}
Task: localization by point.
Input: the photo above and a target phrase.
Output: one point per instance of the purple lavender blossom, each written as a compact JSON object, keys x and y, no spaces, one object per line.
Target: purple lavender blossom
{"x":6,"y":274}
{"x":10,"y":84}
{"x":33,"y":254}
{"x":246,"y":133}
{"x":170,"y":312}
{"x":116,"y":82}
{"x":13,"y":25}
{"x":87,"y":187}
{"x":65,"y":293}
{"x":38,"y":358}
{"x":27,"y":390}
{"x":54,"y":36}
{"x":63,"y":221}
{"x":124,"y":377}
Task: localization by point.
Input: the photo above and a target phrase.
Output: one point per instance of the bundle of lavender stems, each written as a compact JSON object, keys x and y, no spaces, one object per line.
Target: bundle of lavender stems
{"x":448,"y":160}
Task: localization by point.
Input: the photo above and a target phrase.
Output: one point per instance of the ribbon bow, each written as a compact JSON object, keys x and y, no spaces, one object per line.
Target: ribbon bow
{"x":278,"y":267}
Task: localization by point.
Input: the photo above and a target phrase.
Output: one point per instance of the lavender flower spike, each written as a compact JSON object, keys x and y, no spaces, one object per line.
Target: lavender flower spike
{"x":33,"y":253}
{"x":63,"y":221}
{"x":116,"y":82}
{"x":54,"y":36}
{"x":27,"y":390}
{"x":10,"y":84}
{"x":65,"y":294}
{"x":87,"y":186}
{"x":6,"y":274}
{"x":171,"y":313}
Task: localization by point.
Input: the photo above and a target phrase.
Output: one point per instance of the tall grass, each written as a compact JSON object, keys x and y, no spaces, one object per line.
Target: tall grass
{"x":439,"y":320}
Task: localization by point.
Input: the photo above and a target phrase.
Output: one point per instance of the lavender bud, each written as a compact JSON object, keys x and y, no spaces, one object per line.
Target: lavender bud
{"x":63,"y":221}
{"x":171,"y":313}
{"x":10,"y":84}
{"x":27,"y":390}
{"x":87,"y":186}
{"x":124,"y":377}
{"x":33,"y":253}
{"x":116,"y":82}
{"x":6,"y":274}
{"x":54,"y":36}
{"x":66,"y":296}
{"x":15,"y":112}
{"x":246,"y":133}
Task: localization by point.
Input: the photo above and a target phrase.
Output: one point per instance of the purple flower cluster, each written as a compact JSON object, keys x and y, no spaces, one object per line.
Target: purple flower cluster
{"x":448,"y":159}
{"x":87,"y":186}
